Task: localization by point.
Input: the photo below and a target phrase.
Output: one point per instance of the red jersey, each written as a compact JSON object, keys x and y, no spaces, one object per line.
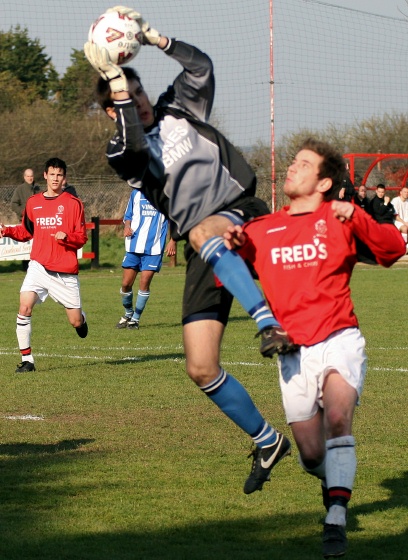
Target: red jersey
{"x":304,"y":263}
{"x":43,"y":217}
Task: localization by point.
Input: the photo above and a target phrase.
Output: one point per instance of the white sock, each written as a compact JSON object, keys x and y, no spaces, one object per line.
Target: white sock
{"x":23,"y":331}
{"x":341,"y":465}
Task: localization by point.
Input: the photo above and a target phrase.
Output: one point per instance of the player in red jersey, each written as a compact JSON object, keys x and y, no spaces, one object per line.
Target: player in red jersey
{"x":55,"y":221}
{"x":304,"y":256}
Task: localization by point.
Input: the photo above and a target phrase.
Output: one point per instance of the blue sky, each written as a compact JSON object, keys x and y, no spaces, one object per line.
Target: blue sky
{"x":235,"y":34}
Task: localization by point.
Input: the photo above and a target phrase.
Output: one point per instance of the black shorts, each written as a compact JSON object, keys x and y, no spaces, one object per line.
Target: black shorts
{"x":202,"y":298}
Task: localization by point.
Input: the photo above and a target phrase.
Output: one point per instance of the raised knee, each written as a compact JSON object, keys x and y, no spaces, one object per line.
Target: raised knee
{"x":200,"y":375}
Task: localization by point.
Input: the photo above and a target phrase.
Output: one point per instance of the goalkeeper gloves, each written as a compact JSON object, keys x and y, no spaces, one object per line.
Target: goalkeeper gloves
{"x":150,"y":36}
{"x":99,"y":59}
{"x":276,"y":340}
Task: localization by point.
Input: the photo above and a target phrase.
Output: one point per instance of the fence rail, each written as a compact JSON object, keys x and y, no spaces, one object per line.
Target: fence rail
{"x":94,"y":226}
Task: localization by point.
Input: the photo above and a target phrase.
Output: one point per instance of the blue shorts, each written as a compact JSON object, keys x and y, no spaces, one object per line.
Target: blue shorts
{"x":139,"y":261}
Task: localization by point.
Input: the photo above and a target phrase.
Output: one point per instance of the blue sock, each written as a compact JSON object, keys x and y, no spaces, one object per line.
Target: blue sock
{"x":141,"y":301}
{"x":234,"y":401}
{"x":127,"y":302}
{"x":232,"y":271}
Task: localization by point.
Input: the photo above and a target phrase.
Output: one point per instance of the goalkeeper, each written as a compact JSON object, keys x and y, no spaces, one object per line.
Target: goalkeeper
{"x":195,"y":177}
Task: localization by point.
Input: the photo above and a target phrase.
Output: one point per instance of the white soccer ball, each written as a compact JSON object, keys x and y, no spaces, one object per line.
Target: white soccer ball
{"x":118,"y":34}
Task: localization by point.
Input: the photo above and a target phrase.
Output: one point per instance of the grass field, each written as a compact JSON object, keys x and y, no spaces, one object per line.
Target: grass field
{"x":109,"y":452}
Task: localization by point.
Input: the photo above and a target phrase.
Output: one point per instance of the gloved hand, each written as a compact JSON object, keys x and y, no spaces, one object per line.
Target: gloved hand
{"x":150,"y":36}
{"x":276,"y":340}
{"x":99,"y":59}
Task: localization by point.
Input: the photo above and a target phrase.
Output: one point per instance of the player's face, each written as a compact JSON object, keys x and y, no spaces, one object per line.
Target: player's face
{"x":141,"y":101}
{"x":302,"y":178}
{"x":55,"y":179}
{"x":380,"y":193}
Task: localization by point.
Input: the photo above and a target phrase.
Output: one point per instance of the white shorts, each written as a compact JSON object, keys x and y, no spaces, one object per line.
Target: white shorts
{"x":302,"y":374}
{"x":62,"y":287}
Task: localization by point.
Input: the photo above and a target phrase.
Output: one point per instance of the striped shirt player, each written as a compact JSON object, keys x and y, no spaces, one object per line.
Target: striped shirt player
{"x":145,"y":233}
{"x":55,"y":221}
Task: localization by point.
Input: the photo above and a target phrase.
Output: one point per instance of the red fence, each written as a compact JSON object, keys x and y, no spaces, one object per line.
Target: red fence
{"x":376,"y":160}
{"x":94,"y":227}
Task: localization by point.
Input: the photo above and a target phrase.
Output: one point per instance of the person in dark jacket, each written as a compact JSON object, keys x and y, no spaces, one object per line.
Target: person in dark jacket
{"x":23,"y":192}
{"x":347,"y":190}
{"x":66,"y":187}
{"x":360,"y":198}
{"x":381,"y":208}
{"x":194,"y":176}
{"x":20,"y":196}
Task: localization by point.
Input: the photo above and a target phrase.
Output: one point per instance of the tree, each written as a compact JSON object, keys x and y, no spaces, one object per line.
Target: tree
{"x":24,"y":58}
{"x":259,"y":158}
{"x":76,"y":91}
{"x":13,"y":93}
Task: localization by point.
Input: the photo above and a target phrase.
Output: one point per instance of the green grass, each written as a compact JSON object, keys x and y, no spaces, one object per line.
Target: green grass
{"x":131,"y":461}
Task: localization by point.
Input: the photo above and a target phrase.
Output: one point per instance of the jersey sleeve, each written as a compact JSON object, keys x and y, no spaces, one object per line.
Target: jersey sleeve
{"x":384,"y":240}
{"x":22,"y":232}
{"x":77,"y":237}
{"x":128,"y":153}
{"x":129,"y":208}
{"x":194,"y":87}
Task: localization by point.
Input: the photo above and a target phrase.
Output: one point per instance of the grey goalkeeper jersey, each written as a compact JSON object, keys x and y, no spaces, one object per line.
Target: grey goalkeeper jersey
{"x":185,"y":167}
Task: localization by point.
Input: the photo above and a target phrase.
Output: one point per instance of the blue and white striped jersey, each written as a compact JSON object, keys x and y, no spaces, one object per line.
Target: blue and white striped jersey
{"x":148,"y":225}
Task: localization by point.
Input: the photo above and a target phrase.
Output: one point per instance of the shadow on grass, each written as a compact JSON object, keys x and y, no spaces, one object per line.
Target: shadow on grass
{"x":147,"y":358}
{"x":15,"y":449}
{"x":33,"y":495}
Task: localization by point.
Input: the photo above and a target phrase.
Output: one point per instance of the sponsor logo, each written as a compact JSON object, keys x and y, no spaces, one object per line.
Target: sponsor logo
{"x":51,"y":221}
{"x":304,"y":253}
{"x":321,"y":228}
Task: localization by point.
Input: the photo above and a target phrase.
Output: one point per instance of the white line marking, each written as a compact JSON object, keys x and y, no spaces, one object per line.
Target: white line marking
{"x":24,"y":417}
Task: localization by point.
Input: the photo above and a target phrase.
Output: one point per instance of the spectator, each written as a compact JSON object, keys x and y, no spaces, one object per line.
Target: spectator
{"x":145,"y":232}
{"x":20,"y":196}
{"x":69,"y":188}
{"x":347,"y":190}
{"x":381,"y":208}
{"x":360,"y":198}
{"x":400,"y":204}
{"x":23,"y":192}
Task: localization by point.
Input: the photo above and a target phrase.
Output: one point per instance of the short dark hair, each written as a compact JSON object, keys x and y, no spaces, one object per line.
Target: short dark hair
{"x":103,"y":91}
{"x":57,"y":163}
{"x":332,"y":167}
{"x":380,"y":186}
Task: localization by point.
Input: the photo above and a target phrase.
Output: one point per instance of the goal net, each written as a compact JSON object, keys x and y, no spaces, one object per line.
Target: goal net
{"x":332,"y":67}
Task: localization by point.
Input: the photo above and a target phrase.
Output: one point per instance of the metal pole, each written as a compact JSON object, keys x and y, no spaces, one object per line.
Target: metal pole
{"x":95,"y":243}
{"x":273,"y":171}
